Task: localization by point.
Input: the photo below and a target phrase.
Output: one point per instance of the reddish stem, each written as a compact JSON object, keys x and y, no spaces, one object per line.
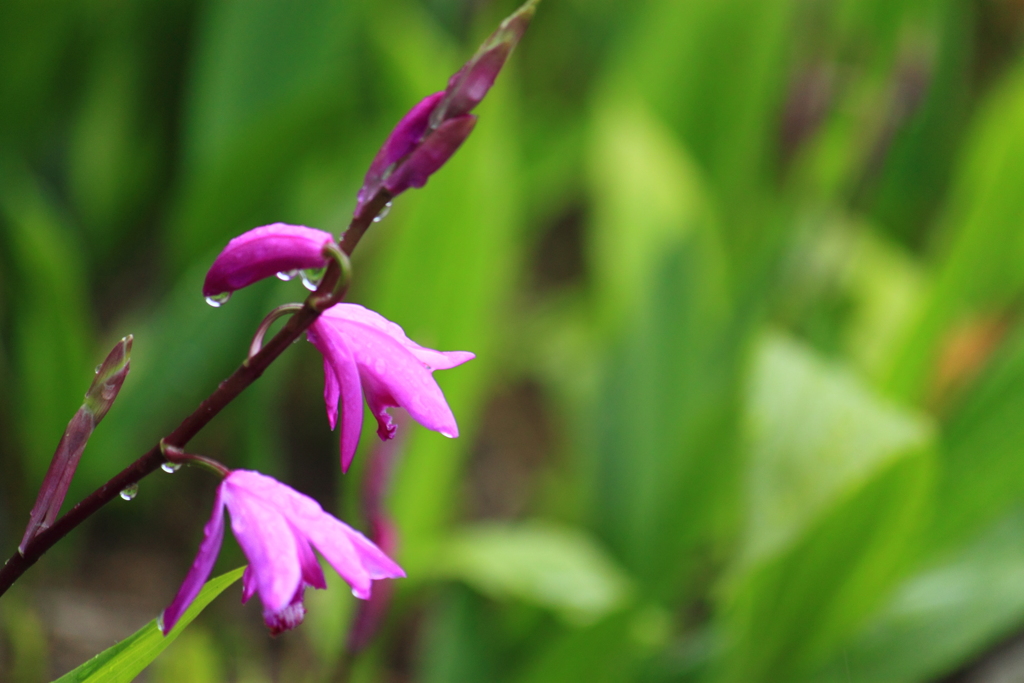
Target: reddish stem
{"x":226,"y":392}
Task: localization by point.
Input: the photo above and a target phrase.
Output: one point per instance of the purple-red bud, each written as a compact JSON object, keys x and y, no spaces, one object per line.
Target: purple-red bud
{"x":470,"y":84}
{"x":403,"y":139}
{"x":105,"y":386}
{"x":430,"y":133}
{"x":263,"y":252}
{"x":430,"y":155}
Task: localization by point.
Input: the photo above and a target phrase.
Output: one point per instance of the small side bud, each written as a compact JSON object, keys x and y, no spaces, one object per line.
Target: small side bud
{"x":105,"y":386}
{"x":109,"y":378}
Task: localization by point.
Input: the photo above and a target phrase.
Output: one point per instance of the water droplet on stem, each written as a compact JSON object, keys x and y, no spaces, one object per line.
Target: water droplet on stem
{"x":383,"y":213}
{"x":171,"y":467}
{"x":130,"y":491}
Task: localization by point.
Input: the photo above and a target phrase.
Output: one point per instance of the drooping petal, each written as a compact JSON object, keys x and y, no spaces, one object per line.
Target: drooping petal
{"x":267,"y":541}
{"x":312,"y":574}
{"x":350,"y":553}
{"x":405,"y":136}
{"x":430,"y":155}
{"x":341,"y":378}
{"x":213,"y":534}
{"x":377,"y":564}
{"x":434,"y":360}
{"x":248,"y":584}
{"x":392,"y":376}
{"x":263,"y":252}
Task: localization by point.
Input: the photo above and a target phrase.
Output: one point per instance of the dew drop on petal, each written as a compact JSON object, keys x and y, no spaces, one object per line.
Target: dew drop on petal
{"x":130,"y":491}
{"x":97,"y":370}
{"x":287,"y":275}
{"x":171,"y":467}
{"x":218,"y":300}
{"x":311,"y":278}
{"x":383,"y":213}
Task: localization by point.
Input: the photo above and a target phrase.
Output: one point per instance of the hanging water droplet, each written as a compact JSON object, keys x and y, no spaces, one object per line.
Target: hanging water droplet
{"x":130,"y":491}
{"x":218,"y":300}
{"x":311,"y":278}
{"x":383,"y":213}
{"x":287,"y":275}
{"x":97,"y":370}
{"x":160,"y":622}
{"x":171,"y":467}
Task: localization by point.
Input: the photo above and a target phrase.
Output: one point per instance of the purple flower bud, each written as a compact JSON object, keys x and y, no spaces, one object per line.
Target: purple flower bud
{"x":263,"y":252}
{"x":430,"y":155}
{"x":430,"y":133}
{"x":105,"y":386}
{"x":470,"y":84}
{"x":403,"y":139}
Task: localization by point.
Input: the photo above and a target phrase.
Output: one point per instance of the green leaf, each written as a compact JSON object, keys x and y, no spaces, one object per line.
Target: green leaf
{"x":559,"y":568}
{"x":941,"y":616}
{"x":837,"y":489}
{"x":126,"y":660}
{"x":51,"y":352}
{"x":980,"y":263}
{"x":661,"y":428}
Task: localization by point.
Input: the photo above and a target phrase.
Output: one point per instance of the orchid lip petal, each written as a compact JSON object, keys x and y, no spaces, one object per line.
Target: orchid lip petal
{"x":263,"y":252}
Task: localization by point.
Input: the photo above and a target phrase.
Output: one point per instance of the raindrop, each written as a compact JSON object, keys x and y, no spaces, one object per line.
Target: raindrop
{"x":383,"y":213}
{"x":171,"y":467}
{"x":130,"y":491}
{"x":97,"y":370}
{"x":287,"y":275}
{"x":311,"y":278}
{"x":218,"y":300}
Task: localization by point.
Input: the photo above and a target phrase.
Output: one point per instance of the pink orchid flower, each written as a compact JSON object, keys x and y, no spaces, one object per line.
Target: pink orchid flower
{"x":278,"y":528}
{"x":366,"y":354}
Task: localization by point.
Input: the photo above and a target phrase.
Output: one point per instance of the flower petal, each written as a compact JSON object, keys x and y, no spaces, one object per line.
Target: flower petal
{"x":351,"y":554}
{"x":267,"y":541}
{"x":403,"y":139}
{"x":434,"y":360}
{"x":341,"y":378}
{"x":262,"y":252}
{"x":392,"y":376}
{"x":213,"y":535}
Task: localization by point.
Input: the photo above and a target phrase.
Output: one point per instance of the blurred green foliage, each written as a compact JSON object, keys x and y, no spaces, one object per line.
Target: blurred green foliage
{"x":743,"y":278}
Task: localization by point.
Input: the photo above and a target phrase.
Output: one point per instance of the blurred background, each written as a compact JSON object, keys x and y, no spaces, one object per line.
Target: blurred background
{"x":744,"y":279}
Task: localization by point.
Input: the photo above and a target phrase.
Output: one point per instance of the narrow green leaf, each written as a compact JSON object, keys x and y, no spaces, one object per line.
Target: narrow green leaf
{"x":126,"y":660}
{"x":941,"y":616}
{"x":837,"y":491}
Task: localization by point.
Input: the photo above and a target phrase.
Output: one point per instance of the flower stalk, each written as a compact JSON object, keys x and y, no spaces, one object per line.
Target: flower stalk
{"x":227,"y":391}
